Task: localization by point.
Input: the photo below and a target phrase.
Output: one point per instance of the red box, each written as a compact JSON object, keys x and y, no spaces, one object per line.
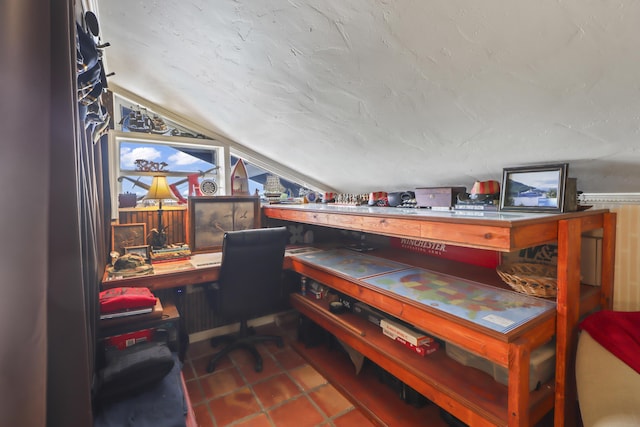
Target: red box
{"x":126,"y":340}
{"x":422,"y":350}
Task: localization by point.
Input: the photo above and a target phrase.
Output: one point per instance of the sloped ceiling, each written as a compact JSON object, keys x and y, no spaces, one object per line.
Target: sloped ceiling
{"x":384,"y":95}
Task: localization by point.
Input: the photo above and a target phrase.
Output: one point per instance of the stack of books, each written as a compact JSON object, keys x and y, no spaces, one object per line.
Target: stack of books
{"x":125,"y":302}
{"x":488,"y":207}
{"x":171,"y":253}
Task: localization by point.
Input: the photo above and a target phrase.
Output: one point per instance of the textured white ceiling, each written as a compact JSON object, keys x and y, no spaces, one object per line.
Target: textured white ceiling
{"x":384,"y":95}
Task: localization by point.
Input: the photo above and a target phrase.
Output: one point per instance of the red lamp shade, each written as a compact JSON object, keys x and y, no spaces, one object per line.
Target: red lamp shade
{"x":485,"y":187}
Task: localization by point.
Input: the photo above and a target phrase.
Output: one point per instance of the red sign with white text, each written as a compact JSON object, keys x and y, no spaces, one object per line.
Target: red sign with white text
{"x":480,"y":257}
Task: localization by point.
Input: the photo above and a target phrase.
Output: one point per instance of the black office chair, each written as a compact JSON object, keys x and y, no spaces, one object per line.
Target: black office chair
{"x":250,"y":284}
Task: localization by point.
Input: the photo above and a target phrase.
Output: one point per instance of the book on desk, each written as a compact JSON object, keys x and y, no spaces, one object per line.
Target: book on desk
{"x":154,"y":312}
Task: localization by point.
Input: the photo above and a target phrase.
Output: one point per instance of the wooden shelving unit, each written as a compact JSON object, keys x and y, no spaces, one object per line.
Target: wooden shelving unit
{"x":475,"y":399}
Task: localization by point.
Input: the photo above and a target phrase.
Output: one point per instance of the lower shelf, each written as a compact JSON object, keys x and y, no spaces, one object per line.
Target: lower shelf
{"x":470,"y":394}
{"x":376,"y":400}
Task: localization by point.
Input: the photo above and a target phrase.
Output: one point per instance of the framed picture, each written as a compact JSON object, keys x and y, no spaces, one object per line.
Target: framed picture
{"x":534,"y":188}
{"x":142,"y":250}
{"x":127,"y":235}
{"x":211,"y":217}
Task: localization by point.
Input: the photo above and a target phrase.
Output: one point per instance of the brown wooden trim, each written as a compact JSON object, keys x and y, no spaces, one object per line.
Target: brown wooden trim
{"x":568,"y":301}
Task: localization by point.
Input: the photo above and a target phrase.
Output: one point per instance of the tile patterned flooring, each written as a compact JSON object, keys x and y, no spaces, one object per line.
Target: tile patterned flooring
{"x":287,"y":393}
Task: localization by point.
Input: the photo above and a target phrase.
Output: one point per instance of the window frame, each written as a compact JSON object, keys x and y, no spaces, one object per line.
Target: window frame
{"x":116,"y":138}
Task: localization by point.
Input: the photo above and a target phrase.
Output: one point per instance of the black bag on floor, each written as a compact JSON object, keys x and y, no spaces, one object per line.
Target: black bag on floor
{"x":133,"y":370}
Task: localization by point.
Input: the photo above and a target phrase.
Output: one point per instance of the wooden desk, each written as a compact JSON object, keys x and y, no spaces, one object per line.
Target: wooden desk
{"x":201,"y":268}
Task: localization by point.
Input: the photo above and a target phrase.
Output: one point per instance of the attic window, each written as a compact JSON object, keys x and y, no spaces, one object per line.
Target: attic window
{"x":258,"y":178}
{"x":176,"y":160}
{"x":144,"y":134}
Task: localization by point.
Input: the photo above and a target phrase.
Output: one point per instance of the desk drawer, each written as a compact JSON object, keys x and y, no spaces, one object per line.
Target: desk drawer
{"x":392,"y":226}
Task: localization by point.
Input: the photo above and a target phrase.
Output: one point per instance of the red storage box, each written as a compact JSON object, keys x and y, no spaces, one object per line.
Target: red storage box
{"x":127,"y":340}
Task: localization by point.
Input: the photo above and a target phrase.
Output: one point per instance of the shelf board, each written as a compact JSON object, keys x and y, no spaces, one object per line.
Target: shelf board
{"x":501,"y":231}
{"x":441,"y":379}
{"x":375,"y":399}
{"x":484,"y":341}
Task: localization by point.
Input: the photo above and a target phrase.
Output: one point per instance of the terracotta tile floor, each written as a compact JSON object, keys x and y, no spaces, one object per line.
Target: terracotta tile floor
{"x":287,"y":393}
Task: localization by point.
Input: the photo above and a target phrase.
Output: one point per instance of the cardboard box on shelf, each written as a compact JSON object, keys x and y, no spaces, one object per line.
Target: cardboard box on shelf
{"x":541,"y":364}
{"x":411,"y":335}
{"x":422,"y":350}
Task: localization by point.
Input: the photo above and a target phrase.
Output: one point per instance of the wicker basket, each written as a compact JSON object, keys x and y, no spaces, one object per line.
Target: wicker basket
{"x":532,"y":279}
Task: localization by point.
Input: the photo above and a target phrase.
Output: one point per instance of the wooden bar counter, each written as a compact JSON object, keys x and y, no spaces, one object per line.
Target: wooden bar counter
{"x":497,"y":231}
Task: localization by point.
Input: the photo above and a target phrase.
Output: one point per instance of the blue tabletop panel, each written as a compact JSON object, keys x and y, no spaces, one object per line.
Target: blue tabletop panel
{"x":494,"y":308}
{"x":352,"y":264}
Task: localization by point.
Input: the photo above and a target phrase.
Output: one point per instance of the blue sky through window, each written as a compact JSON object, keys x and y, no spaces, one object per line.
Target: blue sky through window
{"x":177,"y":161}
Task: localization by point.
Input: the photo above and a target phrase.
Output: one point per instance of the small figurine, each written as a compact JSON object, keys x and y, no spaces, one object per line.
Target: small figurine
{"x":114,"y":257}
{"x":158,"y":238}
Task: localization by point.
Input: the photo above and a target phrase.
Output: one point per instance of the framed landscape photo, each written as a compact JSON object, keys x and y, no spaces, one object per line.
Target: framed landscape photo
{"x":534,"y":188}
{"x":127,"y":235}
{"x":211,"y":217}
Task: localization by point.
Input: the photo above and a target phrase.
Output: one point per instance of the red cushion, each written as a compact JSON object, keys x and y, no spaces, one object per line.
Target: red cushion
{"x":618,"y":332}
{"x":121,"y":299}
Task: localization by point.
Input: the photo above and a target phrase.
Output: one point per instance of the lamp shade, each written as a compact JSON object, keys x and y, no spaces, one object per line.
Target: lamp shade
{"x":485,"y":187}
{"x":159,"y":189}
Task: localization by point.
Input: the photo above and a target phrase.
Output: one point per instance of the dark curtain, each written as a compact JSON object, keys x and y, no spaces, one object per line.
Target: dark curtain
{"x":52,"y":228}
{"x":76,"y":243}
{"x":25,"y":145}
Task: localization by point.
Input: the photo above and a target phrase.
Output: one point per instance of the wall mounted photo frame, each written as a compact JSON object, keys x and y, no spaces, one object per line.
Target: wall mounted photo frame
{"x":127,"y":235}
{"x":142,"y":250}
{"x":539,"y":188}
{"x":211,"y":217}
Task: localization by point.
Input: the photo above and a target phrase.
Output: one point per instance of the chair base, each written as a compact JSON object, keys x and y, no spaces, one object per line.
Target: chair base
{"x":243,"y":340}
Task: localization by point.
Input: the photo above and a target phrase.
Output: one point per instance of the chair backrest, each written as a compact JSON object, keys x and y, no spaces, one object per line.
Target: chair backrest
{"x":250,"y":279}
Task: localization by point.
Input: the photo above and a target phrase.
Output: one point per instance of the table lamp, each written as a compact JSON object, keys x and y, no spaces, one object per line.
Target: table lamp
{"x":159,"y":190}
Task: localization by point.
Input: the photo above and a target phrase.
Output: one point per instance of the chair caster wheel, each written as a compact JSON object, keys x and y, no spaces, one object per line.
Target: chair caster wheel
{"x":258,"y":367}
{"x":211,"y":367}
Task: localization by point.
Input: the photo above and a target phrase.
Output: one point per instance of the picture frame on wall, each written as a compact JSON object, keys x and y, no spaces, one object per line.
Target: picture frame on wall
{"x":211,"y":217}
{"x":539,"y":188}
{"x":127,"y":235}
